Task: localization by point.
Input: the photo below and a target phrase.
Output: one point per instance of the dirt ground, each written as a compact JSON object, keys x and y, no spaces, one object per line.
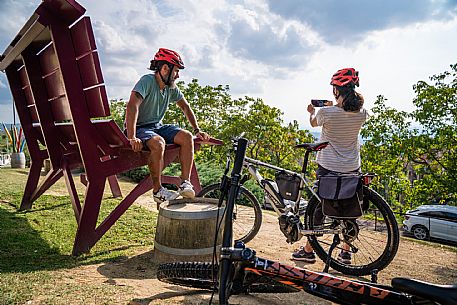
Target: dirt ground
{"x":424,"y":261}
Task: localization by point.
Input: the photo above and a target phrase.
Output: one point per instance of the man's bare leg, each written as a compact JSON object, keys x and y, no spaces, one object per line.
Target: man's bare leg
{"x":186,"y":154}
{"x":155,"y":163}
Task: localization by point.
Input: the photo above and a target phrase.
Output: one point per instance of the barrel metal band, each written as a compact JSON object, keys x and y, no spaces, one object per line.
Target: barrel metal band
{"x":208,"y":214}
{"x":188,"y":252}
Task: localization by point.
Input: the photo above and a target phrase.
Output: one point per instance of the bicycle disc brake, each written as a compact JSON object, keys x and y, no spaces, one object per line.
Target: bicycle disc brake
{"x":350,"y":233}
{"x":290,"y":226}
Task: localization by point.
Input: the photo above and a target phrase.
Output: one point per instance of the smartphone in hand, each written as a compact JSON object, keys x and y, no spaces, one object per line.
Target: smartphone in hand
{"x":321,"y":103}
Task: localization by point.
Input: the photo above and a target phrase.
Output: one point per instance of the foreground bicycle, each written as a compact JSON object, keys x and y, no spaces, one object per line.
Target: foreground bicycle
{"x":373,"y":238}
{"x":241,"y":271}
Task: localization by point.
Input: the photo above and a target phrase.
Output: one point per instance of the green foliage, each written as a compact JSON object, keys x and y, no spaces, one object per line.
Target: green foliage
{"x":436,"y":156}
{"x":209,"y":172}
{"x":117,"y":108}
{"x":225,"y":118}
{"x":384,"y":150}
{"x":137,"y":174}
{"x":415,"y":153}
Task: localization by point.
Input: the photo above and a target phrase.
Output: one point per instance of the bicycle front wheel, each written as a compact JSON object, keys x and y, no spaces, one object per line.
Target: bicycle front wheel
{"x":247,"y":213}
{"x":374,"y":236}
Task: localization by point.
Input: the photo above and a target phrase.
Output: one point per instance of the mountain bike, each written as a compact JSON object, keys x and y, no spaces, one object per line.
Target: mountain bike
{"x":372,"y":239}
{"x":241,"y":271}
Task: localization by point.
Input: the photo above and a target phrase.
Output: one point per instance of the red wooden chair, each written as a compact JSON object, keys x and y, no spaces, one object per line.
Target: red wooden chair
{"x":55,"y":77}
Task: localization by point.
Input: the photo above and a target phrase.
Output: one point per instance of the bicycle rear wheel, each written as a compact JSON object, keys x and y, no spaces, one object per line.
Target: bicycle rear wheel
{"x":374,"y":235}
{"x":247,"y":212}
{"x":189,"y":274}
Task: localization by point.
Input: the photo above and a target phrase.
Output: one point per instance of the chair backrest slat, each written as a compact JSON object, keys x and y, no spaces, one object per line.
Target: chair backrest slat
{"x":54,"y":85}
{"x":82,"y":36}
{"x":89,"y":66}
{"x":55,"y":90}
{"x":95,"y":98}
{"x":48,"y":60}
{"x":29,"y":96}
{"x":93,"y":73}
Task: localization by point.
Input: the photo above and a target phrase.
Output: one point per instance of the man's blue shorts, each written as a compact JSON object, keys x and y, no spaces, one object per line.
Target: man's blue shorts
{"x":147,"y":131}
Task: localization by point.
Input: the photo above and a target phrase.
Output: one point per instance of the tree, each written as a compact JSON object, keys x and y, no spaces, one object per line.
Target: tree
{"x":419,"y":146}
{"x":436,"y":141}
{"x":385,"y":150}
{"x":225,"y":118}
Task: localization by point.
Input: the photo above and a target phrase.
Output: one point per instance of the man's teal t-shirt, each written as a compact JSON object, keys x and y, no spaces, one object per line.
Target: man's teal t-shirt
{"x":155,"y":103}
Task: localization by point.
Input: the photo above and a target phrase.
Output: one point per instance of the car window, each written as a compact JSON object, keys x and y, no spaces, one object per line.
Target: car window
{"x":451,"y":216}
{"x":433,"y":214}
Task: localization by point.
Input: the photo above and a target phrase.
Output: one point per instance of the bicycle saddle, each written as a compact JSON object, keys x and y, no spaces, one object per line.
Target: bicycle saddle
{"x":443,"y":294}
{"x":312,"y":146}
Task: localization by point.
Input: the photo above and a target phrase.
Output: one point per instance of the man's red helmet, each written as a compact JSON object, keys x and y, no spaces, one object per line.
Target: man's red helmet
{"x":345,"y":77}
{"x":169,"y":56}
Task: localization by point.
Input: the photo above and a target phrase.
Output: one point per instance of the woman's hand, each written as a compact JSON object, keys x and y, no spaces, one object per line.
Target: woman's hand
{"x":311,"y":109}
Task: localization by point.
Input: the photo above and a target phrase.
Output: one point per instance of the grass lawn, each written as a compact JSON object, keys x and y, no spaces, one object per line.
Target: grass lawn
{"x":36,"y":245}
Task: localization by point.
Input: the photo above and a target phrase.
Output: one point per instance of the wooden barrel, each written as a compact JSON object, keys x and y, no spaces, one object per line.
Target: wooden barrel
{"x":185,"y":230}
{"x":46,"y":165}
{"x":18,"y":160}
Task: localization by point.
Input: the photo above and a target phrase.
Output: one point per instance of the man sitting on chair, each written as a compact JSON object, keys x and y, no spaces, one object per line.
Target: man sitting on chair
{"x":149,"y":100}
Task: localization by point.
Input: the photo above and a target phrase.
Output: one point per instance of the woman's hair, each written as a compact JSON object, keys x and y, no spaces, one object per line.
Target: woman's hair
{"x":352,"y":100}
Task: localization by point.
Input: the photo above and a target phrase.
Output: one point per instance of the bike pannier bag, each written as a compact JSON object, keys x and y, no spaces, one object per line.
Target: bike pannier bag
{"x":289,"y":185}
{"x":341,"y":195}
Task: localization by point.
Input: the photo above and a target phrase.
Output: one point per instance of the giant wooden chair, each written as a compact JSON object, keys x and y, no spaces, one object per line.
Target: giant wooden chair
{"x":56,"y":81}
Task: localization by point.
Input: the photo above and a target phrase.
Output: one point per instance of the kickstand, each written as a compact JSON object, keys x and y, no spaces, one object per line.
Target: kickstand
{"x":336,"y":241}
{"x":374,"y":276}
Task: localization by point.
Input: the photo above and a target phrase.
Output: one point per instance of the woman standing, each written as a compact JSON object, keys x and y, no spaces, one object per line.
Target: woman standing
{"x":341,"y":126}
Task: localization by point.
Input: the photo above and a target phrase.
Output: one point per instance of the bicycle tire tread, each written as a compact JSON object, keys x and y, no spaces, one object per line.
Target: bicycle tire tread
{"x":189,"y":274}
{"x":199,"y":275}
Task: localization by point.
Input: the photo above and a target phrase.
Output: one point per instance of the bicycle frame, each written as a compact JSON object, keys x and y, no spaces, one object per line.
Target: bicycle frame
{"x":238,"y":261}
{"x":323,"y":285}
{"x":251,"y":164}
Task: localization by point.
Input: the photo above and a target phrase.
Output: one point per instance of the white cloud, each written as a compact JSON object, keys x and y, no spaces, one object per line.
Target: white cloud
{"x":390,"y":63}
{"x":281,"y":51}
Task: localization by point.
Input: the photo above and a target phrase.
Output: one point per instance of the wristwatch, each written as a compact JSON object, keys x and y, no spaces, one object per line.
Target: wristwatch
{"x":196,"y":130}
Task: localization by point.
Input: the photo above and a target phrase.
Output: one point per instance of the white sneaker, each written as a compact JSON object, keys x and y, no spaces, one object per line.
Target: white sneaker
{"x":165,"y":195}
{"x":186,"y":189}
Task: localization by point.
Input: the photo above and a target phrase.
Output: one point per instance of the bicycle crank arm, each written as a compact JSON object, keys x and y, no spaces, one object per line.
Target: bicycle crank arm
{"x":320,"y":232}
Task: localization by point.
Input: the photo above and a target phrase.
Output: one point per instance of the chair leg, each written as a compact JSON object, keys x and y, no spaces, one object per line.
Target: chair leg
{"x":85,"y":235}
{"x":73,"y":193}
{"x":48,"y":181}
{"x":31,"y":186}
{"x":114,"y":186}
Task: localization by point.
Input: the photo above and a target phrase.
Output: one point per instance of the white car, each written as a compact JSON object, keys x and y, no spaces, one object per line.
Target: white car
{"x":436,"y":221}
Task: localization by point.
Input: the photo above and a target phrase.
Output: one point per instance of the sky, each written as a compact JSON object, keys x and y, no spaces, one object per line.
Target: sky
{"x":282,"y":51}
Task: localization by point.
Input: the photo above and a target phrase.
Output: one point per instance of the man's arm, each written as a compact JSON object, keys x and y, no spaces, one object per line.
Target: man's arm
{"x":131,"y":116}
{"x":189,"y":113}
